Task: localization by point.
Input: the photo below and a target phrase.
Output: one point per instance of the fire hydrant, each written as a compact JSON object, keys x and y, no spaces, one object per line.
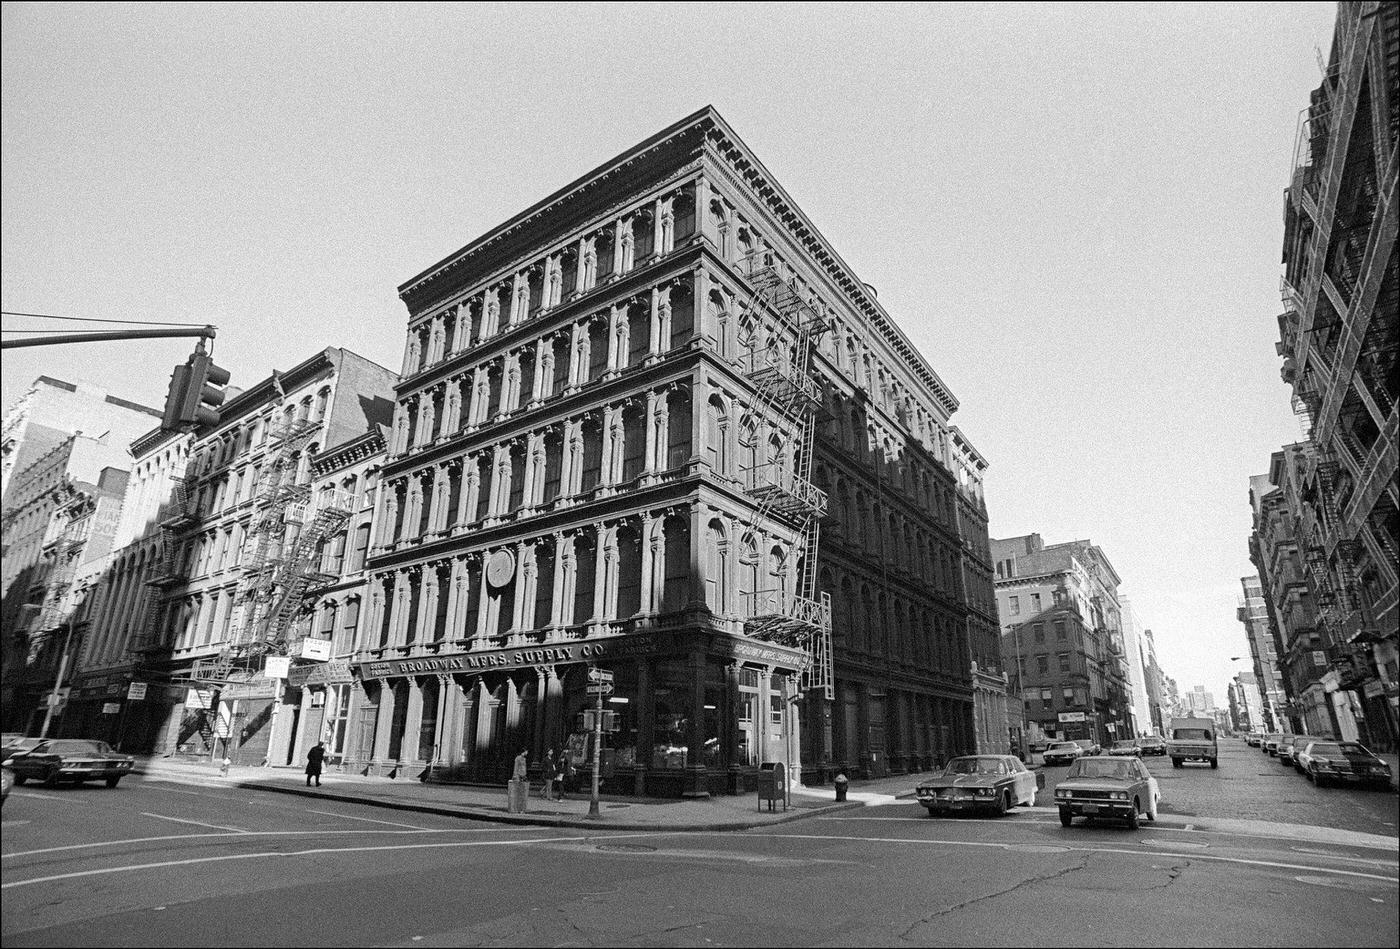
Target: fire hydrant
{"x":841,"y":781}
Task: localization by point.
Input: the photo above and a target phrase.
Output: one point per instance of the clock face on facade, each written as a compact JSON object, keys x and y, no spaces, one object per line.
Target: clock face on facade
{"x":500,"y":568}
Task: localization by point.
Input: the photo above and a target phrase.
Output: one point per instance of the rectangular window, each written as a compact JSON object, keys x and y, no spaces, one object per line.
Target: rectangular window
{"x":1035,"y":602}
{"x":1042,"y":664}
{"x":346,"y":642}
{"x":1038,"y":631}
{"x":1064,"y":661}
{"x":1047,"y":697}
{"x":1015,"y":606}
{"x":1068,"y":693}
{"x":1060,"y":629}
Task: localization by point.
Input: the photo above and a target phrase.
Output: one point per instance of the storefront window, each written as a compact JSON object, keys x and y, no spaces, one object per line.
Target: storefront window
{"x":427,"y":732}
{"x":748,"y":710}
{"x":333,"y":729}
{"x":714,"y":705}
{"x":674,"y":698}
{"x":623,"y":701}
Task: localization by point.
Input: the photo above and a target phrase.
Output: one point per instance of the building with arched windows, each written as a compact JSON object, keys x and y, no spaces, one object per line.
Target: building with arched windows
{"x":655,"y":424}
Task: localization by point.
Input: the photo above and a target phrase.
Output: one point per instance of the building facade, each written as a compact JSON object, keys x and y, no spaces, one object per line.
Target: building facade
{"x":1062,"y":632}
{"x":1137,"y":671}
{"x":655,"y":425}
{"x":1264,"y":644}
{"x":1340,"y":339}
{"x":221,"y":535}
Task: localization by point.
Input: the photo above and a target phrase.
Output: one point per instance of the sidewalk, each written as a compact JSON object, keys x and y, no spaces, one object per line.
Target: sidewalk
{"x":721,"y":812}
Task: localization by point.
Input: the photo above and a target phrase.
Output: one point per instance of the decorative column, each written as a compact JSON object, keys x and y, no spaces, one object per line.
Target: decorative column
{"x":663,"y":320}
{"x":491,"y":313}
{"x":385,"y":722}
{"x":537,"y":384}
{"x":649,"y":465}
{"x":413,"y":722}
{"x":566,"y":570}
{"x":470,"y":498}
{"x":729,"y":725}
{"x":578,"y":357}
{"x":600,"y":573}
{"x":616,"y":352}
{"x":650,"y":552}
{"x":427,"y":603}
{"x":537,"y":740}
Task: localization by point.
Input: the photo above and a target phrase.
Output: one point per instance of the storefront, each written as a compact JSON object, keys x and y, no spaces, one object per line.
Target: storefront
{"x":318,"y":698}
{"x":696,"y":713}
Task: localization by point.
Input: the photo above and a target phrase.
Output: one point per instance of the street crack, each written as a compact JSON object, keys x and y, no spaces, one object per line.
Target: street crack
{"x":1038,"y":878}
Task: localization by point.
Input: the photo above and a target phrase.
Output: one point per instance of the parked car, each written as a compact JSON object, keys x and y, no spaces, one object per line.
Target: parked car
{"x":1270,"y":743}
{"x":7,"y":781}
{"x":1152,"y":745}
{"x":1120,"y":788}
{"x":1253,"y":739}
{"x":71,"y":759}
{"x":1289,"y":745}
{"x":1125,"y":748}
{"x":995,"y":782}
{"x":1063,"y":752}
{"x":1325,"y":761}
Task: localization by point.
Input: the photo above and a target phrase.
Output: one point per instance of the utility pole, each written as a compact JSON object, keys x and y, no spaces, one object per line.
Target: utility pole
{"x":593,"y":810}
{"x":57,"y":682}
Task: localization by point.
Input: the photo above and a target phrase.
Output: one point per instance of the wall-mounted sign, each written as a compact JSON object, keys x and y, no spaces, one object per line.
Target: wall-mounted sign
{"x":1319,"y":657}
{"x":275,"y":667}
{"x":1071,"y":716}
{"x":111,"y":708}
{"x":318,"y":650}
{"x":136,"y":691}
{"x":500,"y":568}
{"x":199,"y":698}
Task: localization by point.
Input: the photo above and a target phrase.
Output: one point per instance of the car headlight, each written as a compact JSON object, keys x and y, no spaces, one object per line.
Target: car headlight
{"x":1061,"y":792}
{"x":985,"y":792}
{"x":1120,"y":796}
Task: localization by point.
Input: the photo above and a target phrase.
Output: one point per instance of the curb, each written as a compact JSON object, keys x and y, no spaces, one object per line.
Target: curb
{"x":580,"y":823}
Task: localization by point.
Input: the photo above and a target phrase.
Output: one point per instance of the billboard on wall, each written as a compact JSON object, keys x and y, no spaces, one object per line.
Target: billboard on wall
{"x":276,"y":667}
{"x":318,"y":650}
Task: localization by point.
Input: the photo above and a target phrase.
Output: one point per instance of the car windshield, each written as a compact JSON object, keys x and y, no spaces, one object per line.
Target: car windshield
{"x":976,"y":766}
{"x":1058,"y":745}
{"x":1352,"y":748}
{"x":1191,"y":734}
{"x":1125,"y":744}
{"x":75,"y":747}
{"x":1324,"y":748}
{"x":1101,"y":768}
{"x":1148,"y":741}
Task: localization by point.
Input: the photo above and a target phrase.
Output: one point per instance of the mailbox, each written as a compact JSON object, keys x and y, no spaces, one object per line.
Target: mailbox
{"x":772,"y":784}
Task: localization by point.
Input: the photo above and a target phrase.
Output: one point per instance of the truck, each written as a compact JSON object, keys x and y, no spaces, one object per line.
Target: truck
{"x":1192,"y":739}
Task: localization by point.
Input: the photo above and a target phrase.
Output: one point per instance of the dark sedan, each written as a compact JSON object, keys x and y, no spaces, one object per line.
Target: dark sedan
{"x":995,"y":782}
{"x":1327,"y":761}
{"x":71,"y":759}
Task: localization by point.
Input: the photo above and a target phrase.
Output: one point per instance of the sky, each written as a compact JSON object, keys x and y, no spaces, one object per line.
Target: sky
{"x":1075,"y":211}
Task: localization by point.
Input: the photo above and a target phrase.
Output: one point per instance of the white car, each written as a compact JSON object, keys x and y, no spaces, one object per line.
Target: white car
{"x":1063,"y":752}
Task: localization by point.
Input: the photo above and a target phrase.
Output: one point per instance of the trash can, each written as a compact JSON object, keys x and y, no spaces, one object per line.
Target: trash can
{"x":841,"y":782}
{"x":518,"y":796}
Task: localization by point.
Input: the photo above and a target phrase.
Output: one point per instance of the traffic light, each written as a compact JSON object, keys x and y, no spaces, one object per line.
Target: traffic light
{"x":196,"y":392}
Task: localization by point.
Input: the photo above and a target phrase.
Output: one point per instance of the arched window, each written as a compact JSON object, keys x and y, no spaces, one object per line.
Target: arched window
{"x":676,"y":586}
{"x":629,"y":572}
{"x":716,"y":567}
{"x":717,"y":436}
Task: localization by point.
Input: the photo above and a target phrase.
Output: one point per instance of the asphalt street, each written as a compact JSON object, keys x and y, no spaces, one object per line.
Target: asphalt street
{"x":156,"y":862}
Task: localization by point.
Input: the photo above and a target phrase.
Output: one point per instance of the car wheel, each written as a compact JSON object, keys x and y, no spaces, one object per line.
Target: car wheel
{"x":1312,"y":778}
{"x":931,"y":812}
{"x":1066,"y":818}
{"x":112,"y":782}
{"x":1176,"y":762}
{"x":1214,"y":763}
{"x":51,"y":778}
{"x":1003,"y":803}
{"x":1134,"y":820}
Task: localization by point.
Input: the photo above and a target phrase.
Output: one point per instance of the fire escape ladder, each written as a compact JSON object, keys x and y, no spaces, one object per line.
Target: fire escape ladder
{"x":782,"y":488}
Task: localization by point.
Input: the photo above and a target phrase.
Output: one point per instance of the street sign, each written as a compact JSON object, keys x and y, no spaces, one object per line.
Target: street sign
{"x":599,"y":675}
{"x":136,"y":691}
{"x":111,"y":708}
{"x":276,"y":667}
{"x":600,"y":688}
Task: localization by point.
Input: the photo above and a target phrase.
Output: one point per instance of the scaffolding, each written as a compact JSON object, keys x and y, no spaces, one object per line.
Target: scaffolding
{"x":778,"y":364}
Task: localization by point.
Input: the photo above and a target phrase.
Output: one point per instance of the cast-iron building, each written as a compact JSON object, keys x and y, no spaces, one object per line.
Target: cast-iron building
{"x":627,"y":418}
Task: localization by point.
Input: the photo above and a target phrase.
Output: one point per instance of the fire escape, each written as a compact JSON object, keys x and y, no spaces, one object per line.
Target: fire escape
{"x":280,"y":565}
{"x":778,"y":365}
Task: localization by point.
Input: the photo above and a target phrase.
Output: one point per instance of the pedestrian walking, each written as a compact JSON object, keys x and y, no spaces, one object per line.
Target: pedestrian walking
{"x":223,"y":767}
{"x":549,"y":770}
{"x":314,"y":758}
{"x":566,"y":772}
{"x":521,"y":765}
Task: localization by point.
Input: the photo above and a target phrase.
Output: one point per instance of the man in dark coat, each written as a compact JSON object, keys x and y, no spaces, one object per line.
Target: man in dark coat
{"x":314,"y":758}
